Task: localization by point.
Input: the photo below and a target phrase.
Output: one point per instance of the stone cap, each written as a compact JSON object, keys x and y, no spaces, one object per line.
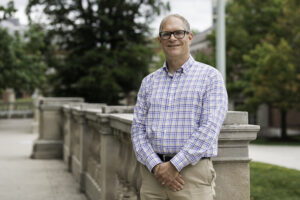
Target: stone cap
{"x":232,"y":117}
{"x":118,"y":109}
{"x":236,"y":117}
{"x":56,"y":103}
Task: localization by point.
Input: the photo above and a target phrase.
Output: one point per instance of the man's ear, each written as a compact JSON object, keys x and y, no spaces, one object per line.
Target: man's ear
{"x":190,"y":36}
{"x":159,"y":40}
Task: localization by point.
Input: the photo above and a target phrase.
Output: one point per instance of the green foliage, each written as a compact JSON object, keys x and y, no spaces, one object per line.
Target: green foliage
{"x":270,"y":182}
{"x":273,"y":76}
{"x":247,"y":24}
{"x":7,"y":11}
{"x":273,"y":71}
{"x":158,"y":61}
{"x":104,"y":44}
{"x":263,"y":53}
{"x":205,"y":58}
{"x":22,"y":63}
{"x":6,"y":56}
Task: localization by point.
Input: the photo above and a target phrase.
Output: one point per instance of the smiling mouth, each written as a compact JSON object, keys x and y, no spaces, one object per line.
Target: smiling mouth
{"x":174,"y":45}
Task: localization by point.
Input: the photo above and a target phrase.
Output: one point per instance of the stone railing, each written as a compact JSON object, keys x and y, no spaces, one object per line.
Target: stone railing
{"x":98,"y":152}
{"x":83,"y":143}
{"x":231,"y":164}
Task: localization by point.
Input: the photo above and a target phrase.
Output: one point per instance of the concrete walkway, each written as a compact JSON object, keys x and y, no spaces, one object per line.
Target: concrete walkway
{"x":285,"y":156}
{"x":22,"y":178}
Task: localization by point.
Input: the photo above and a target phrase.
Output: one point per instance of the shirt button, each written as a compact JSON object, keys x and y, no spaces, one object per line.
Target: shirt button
{"x":165,"y":131}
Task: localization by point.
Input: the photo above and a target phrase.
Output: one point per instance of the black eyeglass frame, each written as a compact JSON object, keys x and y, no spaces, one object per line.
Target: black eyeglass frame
{"x":173,"y":33}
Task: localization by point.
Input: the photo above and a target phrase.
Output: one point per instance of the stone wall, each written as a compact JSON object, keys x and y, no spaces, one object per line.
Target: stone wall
{"x":98,"y":152}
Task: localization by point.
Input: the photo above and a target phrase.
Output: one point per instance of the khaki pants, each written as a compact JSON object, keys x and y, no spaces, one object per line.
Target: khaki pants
{"x":199,"y":184}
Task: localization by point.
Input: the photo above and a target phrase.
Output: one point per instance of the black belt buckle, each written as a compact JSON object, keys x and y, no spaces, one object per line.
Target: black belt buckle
{"x":164,"y":158}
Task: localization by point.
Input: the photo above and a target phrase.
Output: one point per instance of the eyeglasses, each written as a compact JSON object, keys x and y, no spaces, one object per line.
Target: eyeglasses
{"x":178,"y":34}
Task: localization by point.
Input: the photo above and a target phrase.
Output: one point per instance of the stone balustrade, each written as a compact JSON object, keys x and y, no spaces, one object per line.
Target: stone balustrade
{"x":83,"y":130}
{"x":98,"y":152}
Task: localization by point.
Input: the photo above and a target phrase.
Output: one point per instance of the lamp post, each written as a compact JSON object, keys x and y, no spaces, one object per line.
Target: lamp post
{"x":221,"y":48}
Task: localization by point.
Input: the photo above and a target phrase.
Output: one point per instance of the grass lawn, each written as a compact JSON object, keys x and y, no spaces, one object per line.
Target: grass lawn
{"x":270,"y":182}
{"x":21,"y":100}
{"x":290,"y":141}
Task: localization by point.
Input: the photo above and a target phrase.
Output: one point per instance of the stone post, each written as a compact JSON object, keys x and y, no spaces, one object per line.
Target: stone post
{"x":36,"y":114}
{"x":81,"y":140}
{"x":77,"y":138}
{"x":67,"y":136}
{"x":108,"y":155}
{"x":232,"y":162}
{"x":91,"y":155}
{"x":50,"y":141}
{"x":10,"y":97}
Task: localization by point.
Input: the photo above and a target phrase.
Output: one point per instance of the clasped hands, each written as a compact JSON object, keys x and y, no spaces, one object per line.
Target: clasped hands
{"x":168,"y":176}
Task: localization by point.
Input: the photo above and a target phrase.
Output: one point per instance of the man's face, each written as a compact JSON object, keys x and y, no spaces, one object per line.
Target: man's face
{"x":173,"y":47}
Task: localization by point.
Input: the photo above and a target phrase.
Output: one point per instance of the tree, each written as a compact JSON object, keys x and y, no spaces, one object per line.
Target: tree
{"x":206,"y":58}
{"x":104,"y":45}
{"x":8,"y":11}
{"x":22,"y":63}
{"x":6,"y":57}
{"x":247,"y":24}
{"x":274,"y":78}
{"x":263,"y":55}
{"x":274,"y":71}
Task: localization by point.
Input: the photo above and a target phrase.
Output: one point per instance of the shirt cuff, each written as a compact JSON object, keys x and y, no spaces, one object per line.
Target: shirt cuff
{"x":152,"y":161}
{"x":180,"y":161}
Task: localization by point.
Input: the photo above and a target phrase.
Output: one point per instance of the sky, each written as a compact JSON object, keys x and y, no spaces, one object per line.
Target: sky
{"x":197,"y":12}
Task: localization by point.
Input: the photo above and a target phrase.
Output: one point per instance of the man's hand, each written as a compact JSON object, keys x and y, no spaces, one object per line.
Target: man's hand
{"x":168,"y":175}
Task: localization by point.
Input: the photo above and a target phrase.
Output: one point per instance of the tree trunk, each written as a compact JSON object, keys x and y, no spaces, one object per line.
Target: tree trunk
{"x":283,"y":124}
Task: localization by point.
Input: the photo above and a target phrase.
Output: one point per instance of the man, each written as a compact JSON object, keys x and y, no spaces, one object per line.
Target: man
{"x":177,"y":119}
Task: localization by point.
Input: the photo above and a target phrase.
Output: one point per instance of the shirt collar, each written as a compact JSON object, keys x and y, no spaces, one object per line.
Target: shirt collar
{"x":184,"y":68}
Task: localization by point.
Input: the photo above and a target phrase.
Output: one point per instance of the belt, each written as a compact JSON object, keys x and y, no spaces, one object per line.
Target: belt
{"x":166,"y":158}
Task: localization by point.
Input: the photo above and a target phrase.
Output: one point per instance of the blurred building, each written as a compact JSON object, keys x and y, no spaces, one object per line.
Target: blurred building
{"x":200,"y":43}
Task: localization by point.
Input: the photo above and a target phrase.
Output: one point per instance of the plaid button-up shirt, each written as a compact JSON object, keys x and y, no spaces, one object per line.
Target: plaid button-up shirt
{"x":179,"y":114}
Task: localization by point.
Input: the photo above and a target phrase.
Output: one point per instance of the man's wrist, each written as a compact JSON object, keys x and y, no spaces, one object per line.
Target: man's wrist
{"x":154,"y":168}
{"x":173,"y":166}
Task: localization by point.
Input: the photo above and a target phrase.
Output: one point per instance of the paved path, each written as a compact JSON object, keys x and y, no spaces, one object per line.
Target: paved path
{"x":22,"y":178}
{"x":286,"y":156}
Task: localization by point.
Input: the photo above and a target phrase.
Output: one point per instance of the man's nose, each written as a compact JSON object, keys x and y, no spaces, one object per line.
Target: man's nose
{"x":172,"y":37}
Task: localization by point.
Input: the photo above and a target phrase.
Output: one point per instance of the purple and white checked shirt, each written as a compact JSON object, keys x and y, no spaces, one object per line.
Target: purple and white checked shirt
{"x":179,"y":114}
